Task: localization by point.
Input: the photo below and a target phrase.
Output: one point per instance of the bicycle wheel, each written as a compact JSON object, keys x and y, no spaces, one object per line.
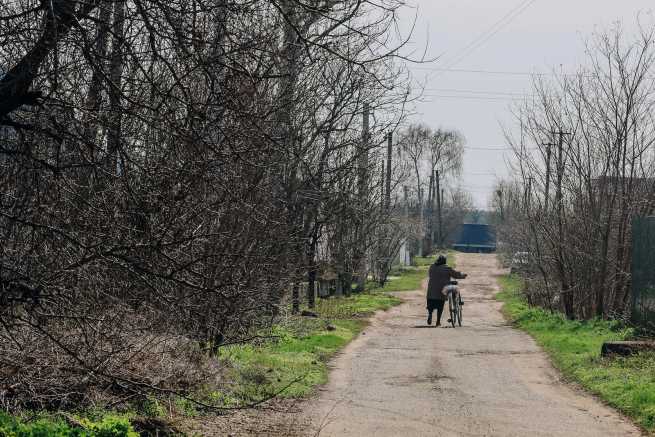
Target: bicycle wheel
{"x":459,"y":313}
{"x":451,"y":309}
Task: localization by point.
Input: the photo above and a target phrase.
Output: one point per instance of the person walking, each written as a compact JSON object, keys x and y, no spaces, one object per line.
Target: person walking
{"x":440,"y":276}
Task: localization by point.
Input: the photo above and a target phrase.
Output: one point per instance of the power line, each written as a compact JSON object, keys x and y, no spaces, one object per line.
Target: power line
{"x":498,"y":72}
{"x":481,"y":36}
{"x":496,"y":148}
{"x":466,"y":91}
{"x":492,"y":31}
{"x":481,"y":173}
{"x":481,"y":98}
{"x":477,"y":190}
{"x":500,"y":149}
{"x":495,"y":72}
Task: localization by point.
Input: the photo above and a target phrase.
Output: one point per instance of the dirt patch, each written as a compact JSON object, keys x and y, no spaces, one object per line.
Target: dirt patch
{"x":282,"y":417}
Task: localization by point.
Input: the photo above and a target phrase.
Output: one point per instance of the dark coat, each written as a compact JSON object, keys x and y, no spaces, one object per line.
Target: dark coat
{"x":440,"y":276}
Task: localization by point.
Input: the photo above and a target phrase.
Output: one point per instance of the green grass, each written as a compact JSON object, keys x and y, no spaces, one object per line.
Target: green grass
{"x":290,"y":366}
{"x":355,"y":306}
{"x":409,"y":279}
{"x":295,"y":362}
{"x":108,"y":426}
{"x":424,"y":261}
{"x":627,"y":384}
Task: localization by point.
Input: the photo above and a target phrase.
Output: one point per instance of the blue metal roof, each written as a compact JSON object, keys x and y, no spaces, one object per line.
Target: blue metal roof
{"x":475,"y":235}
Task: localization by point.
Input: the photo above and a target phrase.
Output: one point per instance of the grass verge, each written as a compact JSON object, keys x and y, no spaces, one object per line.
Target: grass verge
{"x":295,"y":360}
{"x":627,"y":384}
{"x":409,"y":278}
{"x":108,"y":426}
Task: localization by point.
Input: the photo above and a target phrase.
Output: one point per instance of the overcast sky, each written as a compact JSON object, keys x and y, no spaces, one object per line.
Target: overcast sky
{"x":494,"y":36}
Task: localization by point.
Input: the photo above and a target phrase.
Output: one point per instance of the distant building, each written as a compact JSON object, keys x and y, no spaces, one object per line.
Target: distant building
{"x":627,"y":188}
{"x":476,"y":238}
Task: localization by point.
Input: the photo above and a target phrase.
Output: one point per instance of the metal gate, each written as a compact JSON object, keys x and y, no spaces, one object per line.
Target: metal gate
{"x":643,"y":270}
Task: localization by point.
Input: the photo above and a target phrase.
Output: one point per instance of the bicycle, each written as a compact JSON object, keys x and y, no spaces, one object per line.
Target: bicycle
{"x":454,"y":303}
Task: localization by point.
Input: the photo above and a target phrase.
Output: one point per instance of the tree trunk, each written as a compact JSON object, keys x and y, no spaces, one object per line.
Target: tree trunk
{"x":347,"y":283}
{"x":15,"y":84}
{"x":295,"y":298}
{"x":311,"y":273}
{"x":94,"y":96}
{"x":339,"y":286}
{"x":115,"y":76}
{"x":311,"y":288}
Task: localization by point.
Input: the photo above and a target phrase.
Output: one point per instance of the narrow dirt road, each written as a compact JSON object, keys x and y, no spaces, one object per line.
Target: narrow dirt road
{"x":402,"y":378}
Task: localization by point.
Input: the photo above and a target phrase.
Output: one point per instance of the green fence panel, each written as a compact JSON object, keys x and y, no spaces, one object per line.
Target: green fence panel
{"x":643,"y":270}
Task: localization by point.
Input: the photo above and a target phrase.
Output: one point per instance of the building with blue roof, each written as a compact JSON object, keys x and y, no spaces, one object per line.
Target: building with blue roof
{"x":475,"y":238}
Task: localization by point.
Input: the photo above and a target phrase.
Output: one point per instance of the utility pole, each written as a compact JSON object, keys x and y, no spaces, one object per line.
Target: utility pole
{"x":383,"y":249}
{"x":560,"y":170}
{"x":430,"y":231}
{"x":560,"y":175}
{"x":383,"y":195}
{"x":421,"y":216}
{"x":406,"y":214}
{"x":568,"y":297}
{"x":435,"y":195}
{"x":439,"y":200}
{"x":527,"y":194}
{"x":547,"y":193}
{"x":379,"y":251}
{"x":406,"y":198}
{"x":389,"y":150}
{"x":499,"y":193}
{"x":360,"y":251}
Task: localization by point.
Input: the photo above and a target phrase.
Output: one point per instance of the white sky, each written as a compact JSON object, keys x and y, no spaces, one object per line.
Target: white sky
{"x":546,"y":35}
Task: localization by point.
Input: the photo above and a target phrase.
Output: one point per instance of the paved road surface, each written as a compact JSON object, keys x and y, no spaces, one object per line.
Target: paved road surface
{"x":402,"y":378}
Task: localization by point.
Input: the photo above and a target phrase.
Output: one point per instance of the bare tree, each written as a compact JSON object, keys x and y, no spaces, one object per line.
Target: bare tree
{"x":591,"y":173}
{"x":169,"y":169}
{"x":428,"y":151}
